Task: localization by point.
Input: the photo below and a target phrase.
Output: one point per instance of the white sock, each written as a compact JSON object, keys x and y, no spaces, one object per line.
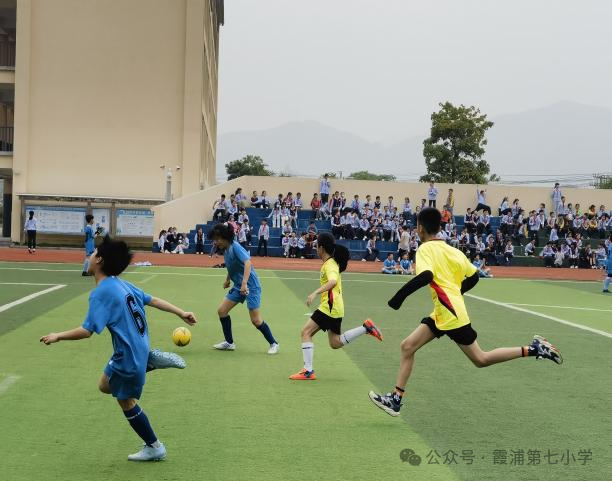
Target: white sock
{"x":308,"y":353}
{"x":352,"y":334}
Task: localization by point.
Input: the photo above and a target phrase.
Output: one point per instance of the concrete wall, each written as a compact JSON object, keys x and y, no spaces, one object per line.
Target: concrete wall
{"x":106,"y":91}
{"x":186,"y":212}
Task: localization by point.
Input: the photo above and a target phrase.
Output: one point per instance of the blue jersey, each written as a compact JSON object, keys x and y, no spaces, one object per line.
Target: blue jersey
{"x":89,"y":240}
{"x":235,"y":257}
{"x":405,"y":263}
{"x":119,"y":306}
{"x":389,"y":263}
{"x":609,"y":266}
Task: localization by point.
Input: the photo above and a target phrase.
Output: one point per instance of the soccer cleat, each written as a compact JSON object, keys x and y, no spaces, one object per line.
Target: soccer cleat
{"x":225,"y":346}
{"x":545,"y":350}
{"x":149,"y":453}
{"x":163,"y":360}
{"x":273,"y":348}
{"x":386,"y":403}
{"x":605,"y":290}
{"x":372,"y":330}
{"x":303,"y":375}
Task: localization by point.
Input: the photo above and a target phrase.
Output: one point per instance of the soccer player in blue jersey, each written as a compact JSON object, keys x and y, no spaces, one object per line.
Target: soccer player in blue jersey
{"x":90,"y":235}
{"x":606,"y":285}
{"x":120,"y":307}
{"x":246,"y":288}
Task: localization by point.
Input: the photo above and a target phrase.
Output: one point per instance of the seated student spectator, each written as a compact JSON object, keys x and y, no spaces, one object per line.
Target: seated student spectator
{"x":311,"y":244}
{"x":584,"y":257}
{"x":414,"y":245}
{"x":335,"y":203}
{"x":182,"y":244}
{"x":232,"y":211}
{"x":255,"y":200}
{"x":298,"y":203}
{"x":489,"y":253}
{"x":534,"y":226}
{"x":293,"y":246}
{"x":263,"y":200}
{"x":592,"y":227}
{"x":601,"y":211}
{"x":312,"y":228}
{"x":315,"y":206}
{"x":279,"y":202}
{"x":285,"y":214}
{"x":301,"y":245}
{"x":288,"y":201}
{"x":553,"y":237}
{"x":480,"y":247}
{"x":199,"y":242}
{"x":324,"y":212}
{"x":240,"y":198}
{"x":293,"y":216}
{"x":220,"y":209}
{"x":389,"y":265}
{"x":364,"y":227}
{"x":275,"y":214}
{"x":602,"y":225}
{"x":337,"y":226}
{"x":161,"y":241}
{"x":504,"y":207}
{"x":405,"y":265}
{"x":377,"y":203}
{"x":559,"y":257}
{"x":601,"y":256}
{"x":481,"y":196}
{"x":530,"y":248}
{"x":573,"y":257}
{"x":371,"y":250}
{"x":484,"y":223}
{"x":171,"y":241}
{"x":242,"y":216}
{"x":285,"y":246}
{"x":548,"y":254}
{"x":241,"y":237}
{"x":356,"y":204}
{"x":480,"y":264}
{"x":343,"y":201}
{"x":468,"y":221}
{"x":349,"y":222}
{"x":407,"y":208}
{"x":446,"y":216}
{"x":508,"y":252}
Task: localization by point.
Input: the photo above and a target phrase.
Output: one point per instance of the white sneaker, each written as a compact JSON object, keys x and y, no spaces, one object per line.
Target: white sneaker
{"x":163,"y":360}
{"x":225,"y":346}
{"x":273,"y":348}
{"x":149,"y":453}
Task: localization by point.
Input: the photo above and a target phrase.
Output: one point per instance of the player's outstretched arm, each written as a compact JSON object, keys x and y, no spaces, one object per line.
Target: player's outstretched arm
{"x":469,"y":282}
{"x":423,"y":279}
{"x":188,"y":317}
{"x":72,"y":335}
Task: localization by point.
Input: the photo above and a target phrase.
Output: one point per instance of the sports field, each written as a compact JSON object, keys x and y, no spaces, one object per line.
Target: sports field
{"x":236,"y":416}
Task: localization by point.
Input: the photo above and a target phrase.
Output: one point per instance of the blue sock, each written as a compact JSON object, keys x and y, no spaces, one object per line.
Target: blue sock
{"x":267,"y":333}
{"x":606,"y":283}
{"x":226,"y":324}
{"x":140,"y":423}
{"x":86,"y":264}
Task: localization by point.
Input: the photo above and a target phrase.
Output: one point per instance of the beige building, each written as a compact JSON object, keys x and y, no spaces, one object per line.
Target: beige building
{"x":105,"y":93}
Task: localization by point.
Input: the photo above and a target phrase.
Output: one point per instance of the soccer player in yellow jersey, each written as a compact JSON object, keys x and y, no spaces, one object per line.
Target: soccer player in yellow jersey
{"x":449,"y":274}
{"x":328,"y":317}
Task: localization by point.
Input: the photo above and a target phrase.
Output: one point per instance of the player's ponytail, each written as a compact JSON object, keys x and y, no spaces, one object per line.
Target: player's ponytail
{"x":340,"y":253}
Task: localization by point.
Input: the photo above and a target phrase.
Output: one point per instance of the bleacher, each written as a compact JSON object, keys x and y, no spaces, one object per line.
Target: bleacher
{"x":357,"y":247}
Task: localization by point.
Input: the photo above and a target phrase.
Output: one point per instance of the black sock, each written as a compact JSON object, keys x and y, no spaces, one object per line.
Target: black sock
{"x":267,"y":333}
{"x":226,"y":324}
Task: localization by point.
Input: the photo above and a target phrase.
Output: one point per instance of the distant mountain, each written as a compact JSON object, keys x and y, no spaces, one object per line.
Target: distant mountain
{"x":564,"y":137}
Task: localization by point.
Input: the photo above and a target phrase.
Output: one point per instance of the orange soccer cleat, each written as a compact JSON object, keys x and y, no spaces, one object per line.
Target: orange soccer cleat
{"x":303,"y":375}
{"x":372,"y":329}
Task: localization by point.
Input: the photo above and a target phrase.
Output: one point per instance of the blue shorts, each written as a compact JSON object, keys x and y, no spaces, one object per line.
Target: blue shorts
{"x":124,"y":387}
{"x":253,"y":299}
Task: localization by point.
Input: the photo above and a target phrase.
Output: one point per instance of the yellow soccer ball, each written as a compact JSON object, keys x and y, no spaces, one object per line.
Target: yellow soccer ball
{"x":181,"y":336}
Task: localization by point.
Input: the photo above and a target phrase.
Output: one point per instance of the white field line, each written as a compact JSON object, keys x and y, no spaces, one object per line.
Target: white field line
{"x":25,"y":284}
{"x":6,"y":307}
{"x":150,"y":278}
{"x":561,"y":307}
{"x":7,"y":383}
{"x":539,"y":314}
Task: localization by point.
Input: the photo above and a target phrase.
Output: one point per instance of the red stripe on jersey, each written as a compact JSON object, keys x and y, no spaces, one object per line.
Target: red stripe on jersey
{"x":443,"y":298}
{"x":330,"y":299}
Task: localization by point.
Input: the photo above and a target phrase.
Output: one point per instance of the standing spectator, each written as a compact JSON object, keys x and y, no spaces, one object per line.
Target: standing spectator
{"x":199,"y":241}
{"x":548,"y":254}
{"x":30,"y":227}
{"x":276,"y":216}
{"x":324,"y":189}
{"x":450,"y":201}
{"x":240,"y":198}
{"x":432,"y":194}
{"x":315,"y":206}
{"x":220,"y":209}
{"x":263,"y":235}
{"x":556,"y":199}
{"x":481,"y":196}
{"x":298,"y":203}
{"x":407,"y":208}
{"x":404,"y":243}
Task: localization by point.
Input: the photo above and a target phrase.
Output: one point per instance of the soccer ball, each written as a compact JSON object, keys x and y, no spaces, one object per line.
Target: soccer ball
{"x":181,"y":336}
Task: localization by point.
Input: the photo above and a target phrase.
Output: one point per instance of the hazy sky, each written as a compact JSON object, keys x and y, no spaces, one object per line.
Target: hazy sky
{"x":379,"y":68}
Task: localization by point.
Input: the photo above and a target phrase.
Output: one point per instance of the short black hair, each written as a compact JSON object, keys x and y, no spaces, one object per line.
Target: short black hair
{"x":115,"y":255}
{"x":89,"y":218}
{"x":430,"y":219}
{"x":222,"y":231}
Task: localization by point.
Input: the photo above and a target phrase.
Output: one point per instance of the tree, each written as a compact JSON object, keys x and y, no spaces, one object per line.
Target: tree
{"x":453,"y":152}
{"x":365,"y":175}
{"x":603,"y":182}
{"x":249,"y":165}
{"x":331,"y":175}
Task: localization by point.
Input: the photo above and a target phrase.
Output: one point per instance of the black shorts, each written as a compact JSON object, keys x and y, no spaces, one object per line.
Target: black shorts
{"x":464,"y":335}
{"x":326,"y":322}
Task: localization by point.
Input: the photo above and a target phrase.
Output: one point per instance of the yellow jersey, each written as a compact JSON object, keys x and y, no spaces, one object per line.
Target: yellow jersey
{"x":331,"y":301}
{"x":449,"y":267}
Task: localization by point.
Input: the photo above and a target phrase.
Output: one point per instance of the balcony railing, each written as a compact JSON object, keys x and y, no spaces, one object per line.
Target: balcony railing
{"x":6,"y":139}
{"x":7,"y":54}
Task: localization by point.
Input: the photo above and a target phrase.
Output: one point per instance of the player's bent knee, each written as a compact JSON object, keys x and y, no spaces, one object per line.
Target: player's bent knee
{"x":408,"y":347}
{"x":127,"y":404}
{"x":104,"y":387}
